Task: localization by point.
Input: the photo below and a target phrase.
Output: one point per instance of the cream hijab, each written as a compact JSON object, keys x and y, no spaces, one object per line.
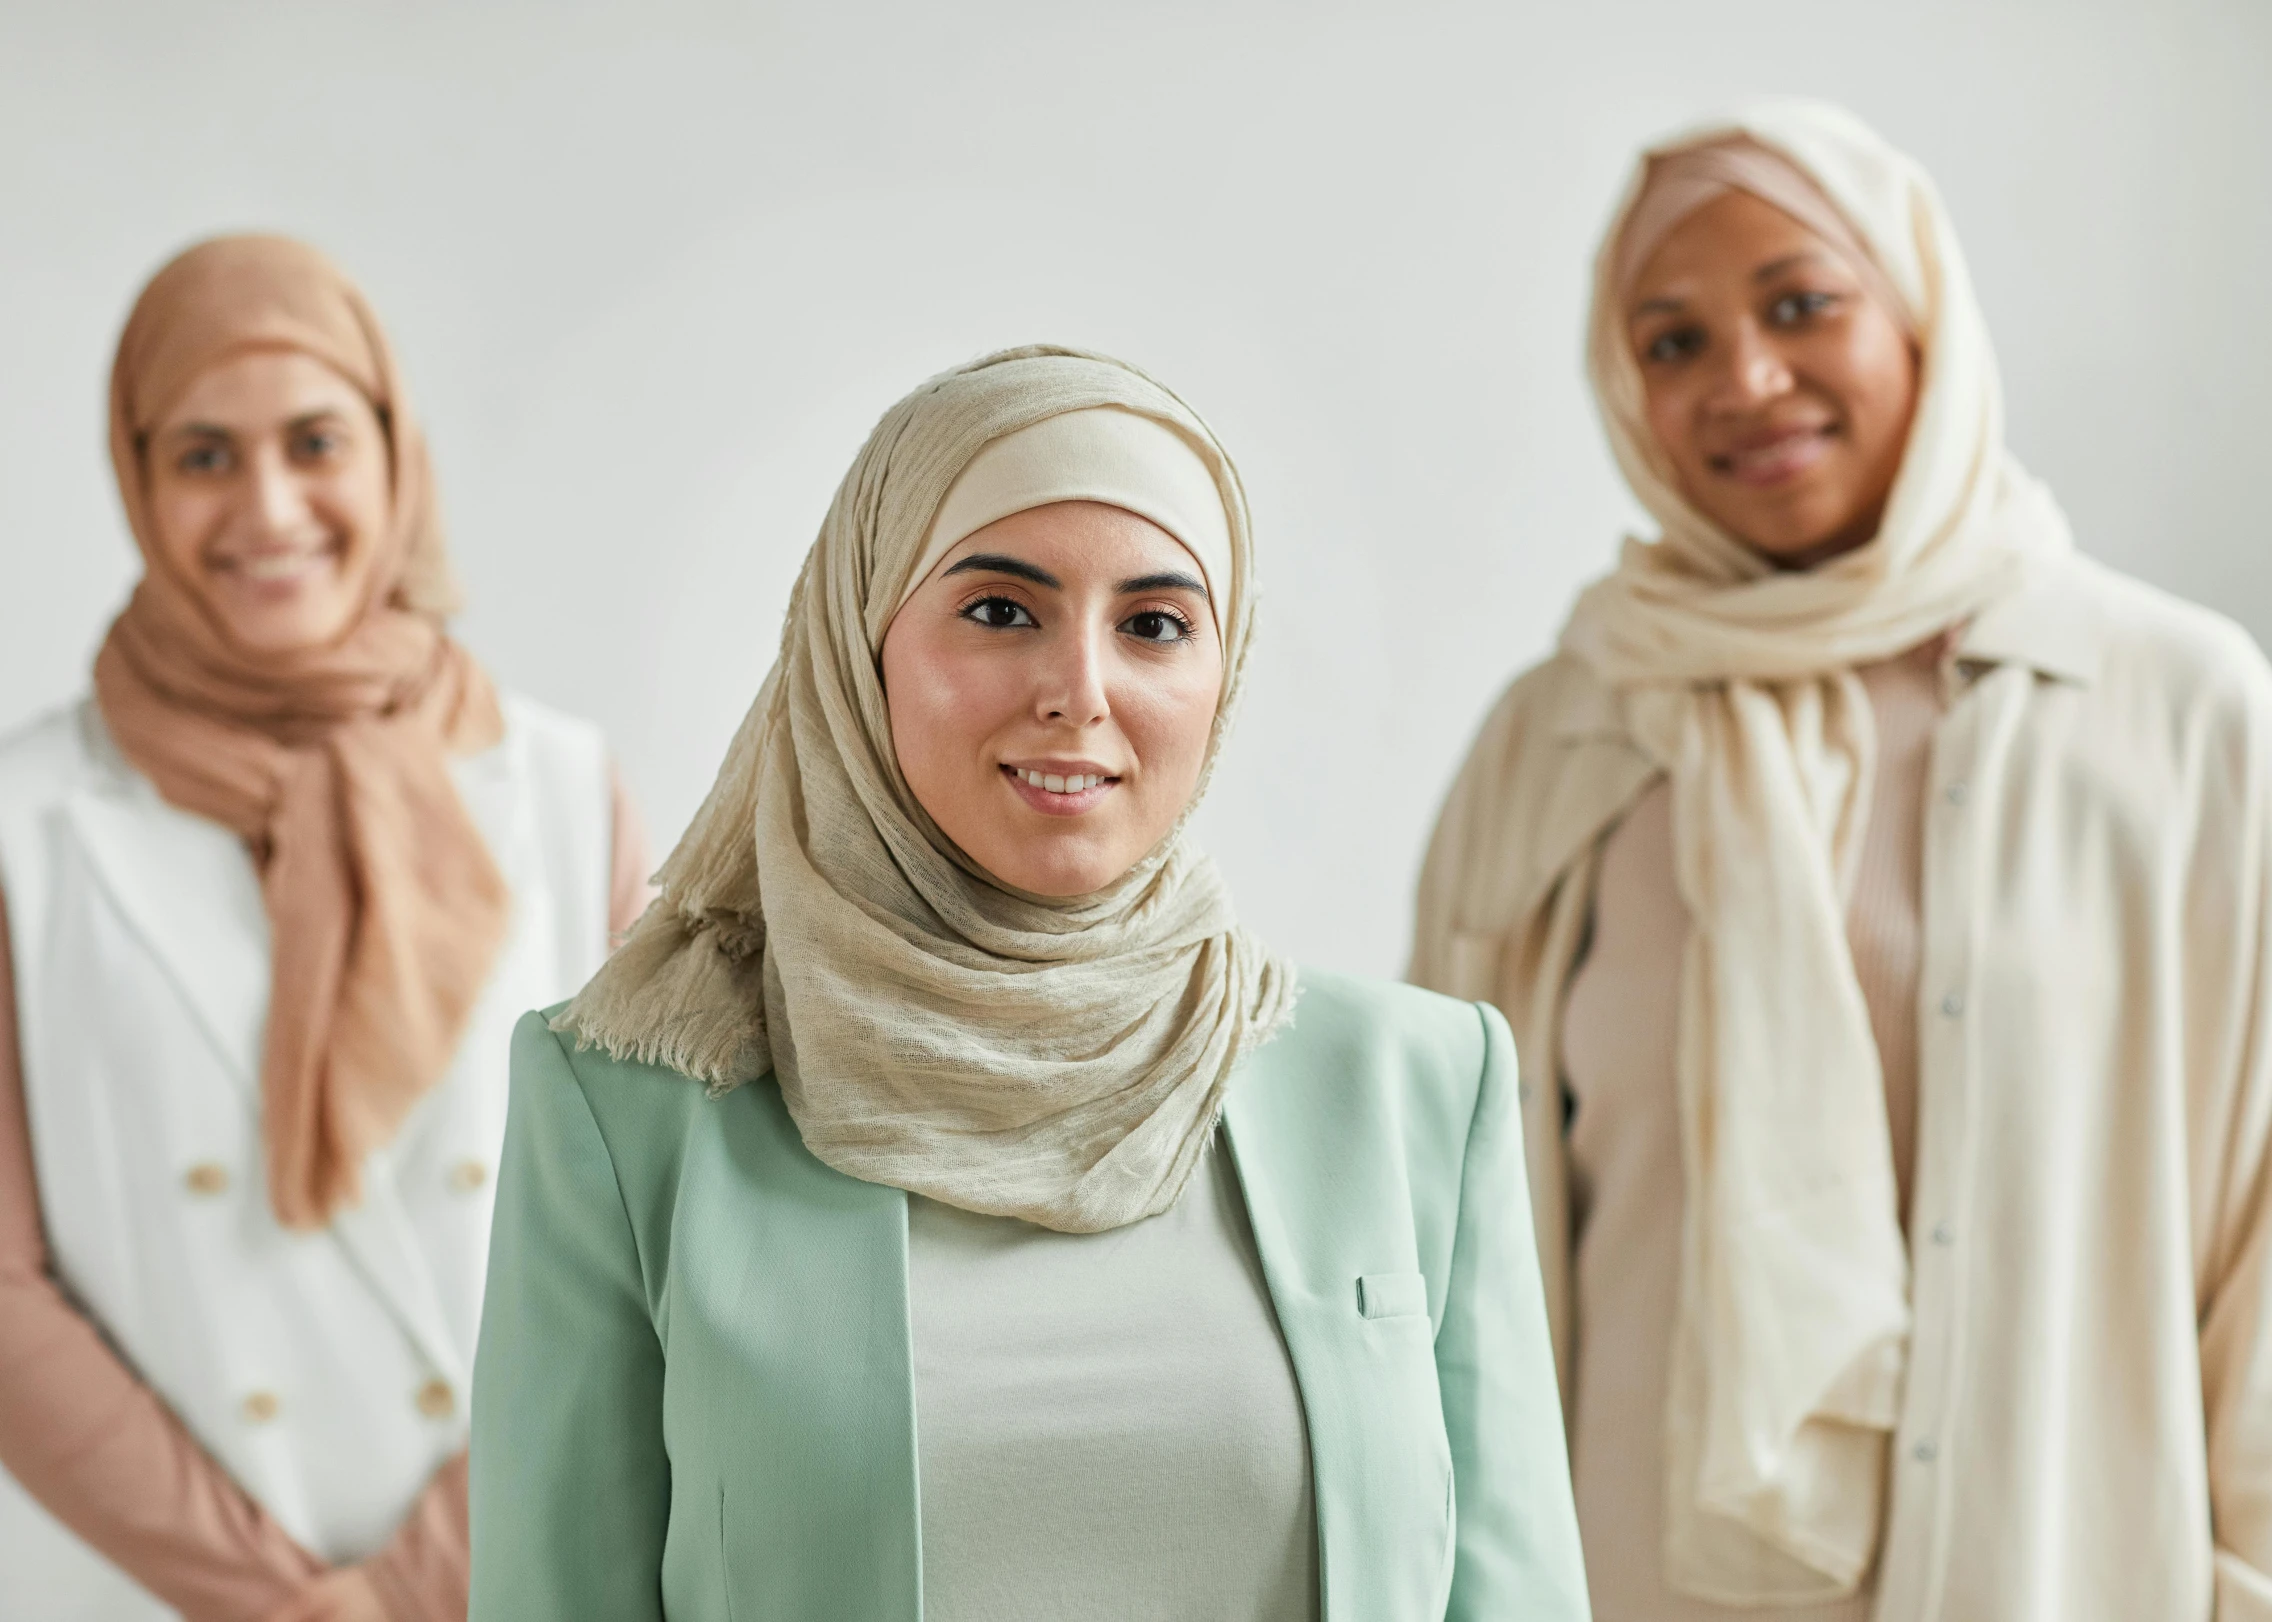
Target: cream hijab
{"x":1792,"y":1334}
{"x":1062,"y":1061}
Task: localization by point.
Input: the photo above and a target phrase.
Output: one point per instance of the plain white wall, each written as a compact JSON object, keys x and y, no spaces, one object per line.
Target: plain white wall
{"x":655,"y":269}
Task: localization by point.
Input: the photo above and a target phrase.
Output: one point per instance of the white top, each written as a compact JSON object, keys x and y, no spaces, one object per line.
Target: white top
{"x":1107,"y":1424}
{"x":326,"y":1371}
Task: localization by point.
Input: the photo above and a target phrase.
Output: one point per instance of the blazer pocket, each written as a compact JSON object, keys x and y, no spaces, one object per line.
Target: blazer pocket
{"x":1392,"y":1295}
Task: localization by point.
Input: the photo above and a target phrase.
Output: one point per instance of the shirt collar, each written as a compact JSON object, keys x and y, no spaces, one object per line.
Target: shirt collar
{"x":2051,"y":624}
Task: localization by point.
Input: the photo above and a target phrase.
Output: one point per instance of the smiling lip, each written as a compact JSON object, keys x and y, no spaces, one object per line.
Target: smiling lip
{"x":1065,"y":788}
{"x":1770,"y":459}
{"x":281,"y":570}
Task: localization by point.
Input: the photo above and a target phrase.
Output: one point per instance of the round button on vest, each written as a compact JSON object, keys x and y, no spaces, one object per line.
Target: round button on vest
{"x":436,"y":1400}
{"x":467,"y":1175}
{"x":206,"y":1177}
{"x":259,"y":1407}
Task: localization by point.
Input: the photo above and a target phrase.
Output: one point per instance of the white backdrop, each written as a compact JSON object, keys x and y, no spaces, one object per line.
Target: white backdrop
{"x":654,"y":269}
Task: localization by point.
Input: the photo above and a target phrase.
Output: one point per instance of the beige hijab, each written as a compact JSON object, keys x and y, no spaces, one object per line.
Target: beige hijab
{"x":333,"y":764}
{"x":1792,"y":1336}
{"x":930,"y":1028}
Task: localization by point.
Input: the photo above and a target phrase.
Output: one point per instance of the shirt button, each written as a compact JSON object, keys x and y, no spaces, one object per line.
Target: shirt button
{"x":207,"y":1177}
{"x":259,"y":1407}
{"x":1952,"y":1004}
{"x":467,"y":1175}
{"x":436,"y":1400}
{"x":1957,"y":791}
{"x":1924,"y":1453}
{"x":1943,"y":1234}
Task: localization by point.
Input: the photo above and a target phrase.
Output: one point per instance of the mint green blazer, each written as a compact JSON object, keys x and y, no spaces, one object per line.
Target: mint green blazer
{"x":695,"y":1398}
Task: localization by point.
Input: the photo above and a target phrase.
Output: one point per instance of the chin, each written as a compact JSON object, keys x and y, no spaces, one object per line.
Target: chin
{"x":296,"y":632}
{"x":1060,"y":876}
{"x":1799,"y":528}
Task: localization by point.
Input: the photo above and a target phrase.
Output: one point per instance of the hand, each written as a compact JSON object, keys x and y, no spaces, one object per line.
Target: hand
{"x":344,"y":1595}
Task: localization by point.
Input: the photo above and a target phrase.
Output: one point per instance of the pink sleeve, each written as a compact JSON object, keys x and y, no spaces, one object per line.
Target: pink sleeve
{"x":425,"y":1573}
{"x":628,"y":889}
{"x":92,"y":1443}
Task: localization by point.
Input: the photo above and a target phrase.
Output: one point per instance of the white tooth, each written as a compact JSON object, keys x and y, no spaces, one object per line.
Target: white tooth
{"x":1053,"y":783}
{"x":1032,"y":777}
{"x":1091,"y":782}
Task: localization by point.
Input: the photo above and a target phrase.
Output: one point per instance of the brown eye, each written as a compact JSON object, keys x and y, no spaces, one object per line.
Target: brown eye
{"x":1157,"y":625}
{"x":1677,"y":344}
{"x":317,"y":444}
{"x":999,"y":614}
{"x":1796,"y":309}
{"x":201,"y":459}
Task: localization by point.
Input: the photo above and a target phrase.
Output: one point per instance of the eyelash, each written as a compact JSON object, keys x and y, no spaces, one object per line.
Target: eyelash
{"x":308,"y":446}
{"x":1688,"y":340}
{"x":1184,"y":629}
{"x":1812,"y":303}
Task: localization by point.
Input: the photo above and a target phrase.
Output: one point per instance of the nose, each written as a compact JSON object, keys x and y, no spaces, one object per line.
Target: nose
{"x":279,"y":505}
{"x":1072,"y":688}
{"x":1752,"y":371}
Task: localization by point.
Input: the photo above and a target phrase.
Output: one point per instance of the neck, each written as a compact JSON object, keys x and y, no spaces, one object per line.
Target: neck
{"x":1852,"y":538}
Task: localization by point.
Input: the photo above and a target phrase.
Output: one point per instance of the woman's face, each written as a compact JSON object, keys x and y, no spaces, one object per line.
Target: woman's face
{"x":1780,"y":389}
{"x":1052,"y":688}
{"x":268,"y":493}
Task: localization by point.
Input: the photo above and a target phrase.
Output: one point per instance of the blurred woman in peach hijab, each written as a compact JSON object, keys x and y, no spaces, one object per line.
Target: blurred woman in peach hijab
{"x":1881,"y":896}
{"x":274,"y":896}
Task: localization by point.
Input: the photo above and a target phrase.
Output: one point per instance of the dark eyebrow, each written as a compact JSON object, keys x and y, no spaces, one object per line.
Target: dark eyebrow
{"x":214,"y":430}
{"x":997,"y":563}
{"x":1167,"y":580}
{"x":1767,"y":272}
{"x":1776,"y":268}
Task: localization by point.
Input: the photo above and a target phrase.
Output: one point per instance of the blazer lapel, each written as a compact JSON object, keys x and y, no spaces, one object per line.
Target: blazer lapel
{"x":187,"y":889}
{"x":818,"y":1490}
{"x":1325,"y":1216}
{"x":492,"y":786}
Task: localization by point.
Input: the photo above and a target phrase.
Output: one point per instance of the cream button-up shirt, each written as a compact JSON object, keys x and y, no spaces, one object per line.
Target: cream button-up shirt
{"x":2086,"y":1431}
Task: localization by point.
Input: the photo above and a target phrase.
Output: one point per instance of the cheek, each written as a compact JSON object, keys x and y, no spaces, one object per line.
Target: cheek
{"x":1875,"y":376}
{"x":183,"y":518}
{"x":1168,"y":718}
{"x":943,"y":705}
{"x":357,"y":505}
{"x":1671,"y":413}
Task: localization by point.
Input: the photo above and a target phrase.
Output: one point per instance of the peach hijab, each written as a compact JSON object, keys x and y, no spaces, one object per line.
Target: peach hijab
{"x":385,"y":907}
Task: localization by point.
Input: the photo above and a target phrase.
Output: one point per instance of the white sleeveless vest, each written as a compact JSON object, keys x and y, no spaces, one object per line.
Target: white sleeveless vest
{"x":327,"y":1372}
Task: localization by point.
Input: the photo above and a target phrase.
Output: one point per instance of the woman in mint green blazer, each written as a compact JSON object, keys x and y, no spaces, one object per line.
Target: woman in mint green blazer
{"x":940,"y":1207}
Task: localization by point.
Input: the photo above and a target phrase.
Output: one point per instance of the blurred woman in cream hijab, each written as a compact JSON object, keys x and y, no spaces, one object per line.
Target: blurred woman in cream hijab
{"x":1881,"y":895}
